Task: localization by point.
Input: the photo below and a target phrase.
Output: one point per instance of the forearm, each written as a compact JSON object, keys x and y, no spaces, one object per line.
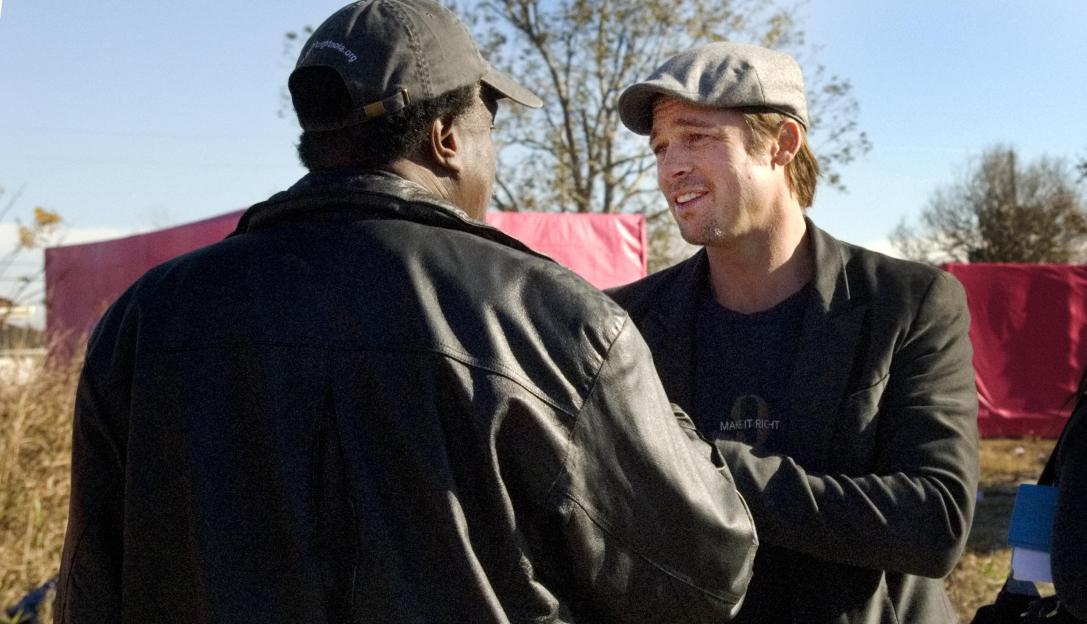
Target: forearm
{"x":914,"y":522}
{"x":905,"y":501}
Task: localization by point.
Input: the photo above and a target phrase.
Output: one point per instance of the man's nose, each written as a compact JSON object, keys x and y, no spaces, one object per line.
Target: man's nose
{"x":673,"y":163}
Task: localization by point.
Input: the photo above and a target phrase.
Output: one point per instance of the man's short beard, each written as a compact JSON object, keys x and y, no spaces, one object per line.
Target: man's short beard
{"x":707,"y":235}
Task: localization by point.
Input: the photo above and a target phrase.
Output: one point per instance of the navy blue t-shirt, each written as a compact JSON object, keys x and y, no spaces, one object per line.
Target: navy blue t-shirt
{"x":743,"y":363}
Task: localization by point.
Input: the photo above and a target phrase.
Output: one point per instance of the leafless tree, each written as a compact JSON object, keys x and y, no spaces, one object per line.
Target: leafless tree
{"x":1001,"y":211}
{"x":579,"y":55}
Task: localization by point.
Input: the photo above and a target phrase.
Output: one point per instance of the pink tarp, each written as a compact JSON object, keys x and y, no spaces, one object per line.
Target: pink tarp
{"x":1029,"y":332}
{"x":1028,"y":322}
{"x":607,"y":250}
{"x":82,"y":280}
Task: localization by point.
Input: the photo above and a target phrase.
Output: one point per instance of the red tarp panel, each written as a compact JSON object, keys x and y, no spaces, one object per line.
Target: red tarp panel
{"x":607,"y":250}
{"x":1028,"y":326}
{"x":82,"y":280}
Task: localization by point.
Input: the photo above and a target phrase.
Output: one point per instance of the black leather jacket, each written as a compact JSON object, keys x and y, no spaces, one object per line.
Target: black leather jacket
{"x":365,"y":407}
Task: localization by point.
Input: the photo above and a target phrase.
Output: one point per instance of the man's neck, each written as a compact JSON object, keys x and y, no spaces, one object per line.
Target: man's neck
{"x":762,"y":270}
{"x":419,"y":174}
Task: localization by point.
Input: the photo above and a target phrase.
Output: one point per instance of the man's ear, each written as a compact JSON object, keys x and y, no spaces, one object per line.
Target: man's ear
{"x":787,"y":145}
{"x":445,"y":144}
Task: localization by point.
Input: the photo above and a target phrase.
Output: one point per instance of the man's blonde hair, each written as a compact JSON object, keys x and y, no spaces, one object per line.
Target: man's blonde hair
{"x":803,"y":172}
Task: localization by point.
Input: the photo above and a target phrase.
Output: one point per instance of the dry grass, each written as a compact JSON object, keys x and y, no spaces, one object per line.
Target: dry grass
{"x":35,"y":444}
{"x":35,"y":448}
{"x":982,"y":570}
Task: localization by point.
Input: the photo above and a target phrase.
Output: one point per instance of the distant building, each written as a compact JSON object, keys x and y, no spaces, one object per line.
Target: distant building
{"x":22,"y":349}
{"x":10,"y":311}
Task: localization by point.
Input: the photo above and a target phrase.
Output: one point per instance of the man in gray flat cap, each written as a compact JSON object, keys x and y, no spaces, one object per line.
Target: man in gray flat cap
{"x":368,"y":406}
{"x":836,"y":382}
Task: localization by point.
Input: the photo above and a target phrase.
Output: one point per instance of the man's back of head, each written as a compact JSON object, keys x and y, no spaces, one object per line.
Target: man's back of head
{"x":373,"y":79}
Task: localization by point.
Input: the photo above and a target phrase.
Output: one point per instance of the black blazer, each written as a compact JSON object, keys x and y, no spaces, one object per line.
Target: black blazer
{"x":875,"y":490}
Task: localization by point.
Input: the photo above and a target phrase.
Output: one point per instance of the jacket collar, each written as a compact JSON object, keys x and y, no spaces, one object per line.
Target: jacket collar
{"x":831,"y":283}
{"x":831,"y":280}
{"x":826,"y":358}
{"x":671,"y":326}
{"x":367,"y":194}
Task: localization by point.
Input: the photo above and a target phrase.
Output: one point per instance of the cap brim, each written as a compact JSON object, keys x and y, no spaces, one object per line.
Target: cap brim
{"x":636,"y":105}
{"x":506,"y":86}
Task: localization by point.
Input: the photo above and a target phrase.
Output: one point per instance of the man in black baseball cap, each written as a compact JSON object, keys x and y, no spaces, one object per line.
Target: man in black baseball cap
{"x":358,"y":77}
{"x":836,"y":382}
{"x":368,"y":406}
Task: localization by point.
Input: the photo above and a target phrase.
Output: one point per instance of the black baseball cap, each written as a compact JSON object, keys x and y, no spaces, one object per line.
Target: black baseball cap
{"x":375,"y":57}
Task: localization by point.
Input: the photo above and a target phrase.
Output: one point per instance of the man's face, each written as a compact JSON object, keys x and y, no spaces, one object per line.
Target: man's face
{"x":476,"y":183}
{"x":717,"y":192}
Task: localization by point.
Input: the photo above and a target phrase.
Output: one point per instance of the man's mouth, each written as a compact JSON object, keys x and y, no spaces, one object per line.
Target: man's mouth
{"x":686,"y":198}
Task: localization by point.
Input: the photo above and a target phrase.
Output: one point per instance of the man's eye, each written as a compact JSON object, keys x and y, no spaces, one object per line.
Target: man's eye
{"x":658,"y":149}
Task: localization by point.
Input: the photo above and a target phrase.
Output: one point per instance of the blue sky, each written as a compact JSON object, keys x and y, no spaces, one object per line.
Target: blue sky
{"x":937,"y":83}
{"x":127,"y":116}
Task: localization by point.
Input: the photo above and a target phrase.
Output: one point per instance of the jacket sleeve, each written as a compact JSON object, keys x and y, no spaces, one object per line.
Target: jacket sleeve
{"x":653,"y":526}
{"x":910,"y":510}
{"x":89,"y":583}
{"x":1069,"y":540}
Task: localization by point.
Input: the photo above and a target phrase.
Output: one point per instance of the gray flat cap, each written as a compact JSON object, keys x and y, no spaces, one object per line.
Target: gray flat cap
{"x":721,"y":75}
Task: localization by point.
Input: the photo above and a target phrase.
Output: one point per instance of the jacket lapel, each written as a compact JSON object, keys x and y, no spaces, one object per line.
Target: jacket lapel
{"x":670,"y":329}
{"x":825,"y":358}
